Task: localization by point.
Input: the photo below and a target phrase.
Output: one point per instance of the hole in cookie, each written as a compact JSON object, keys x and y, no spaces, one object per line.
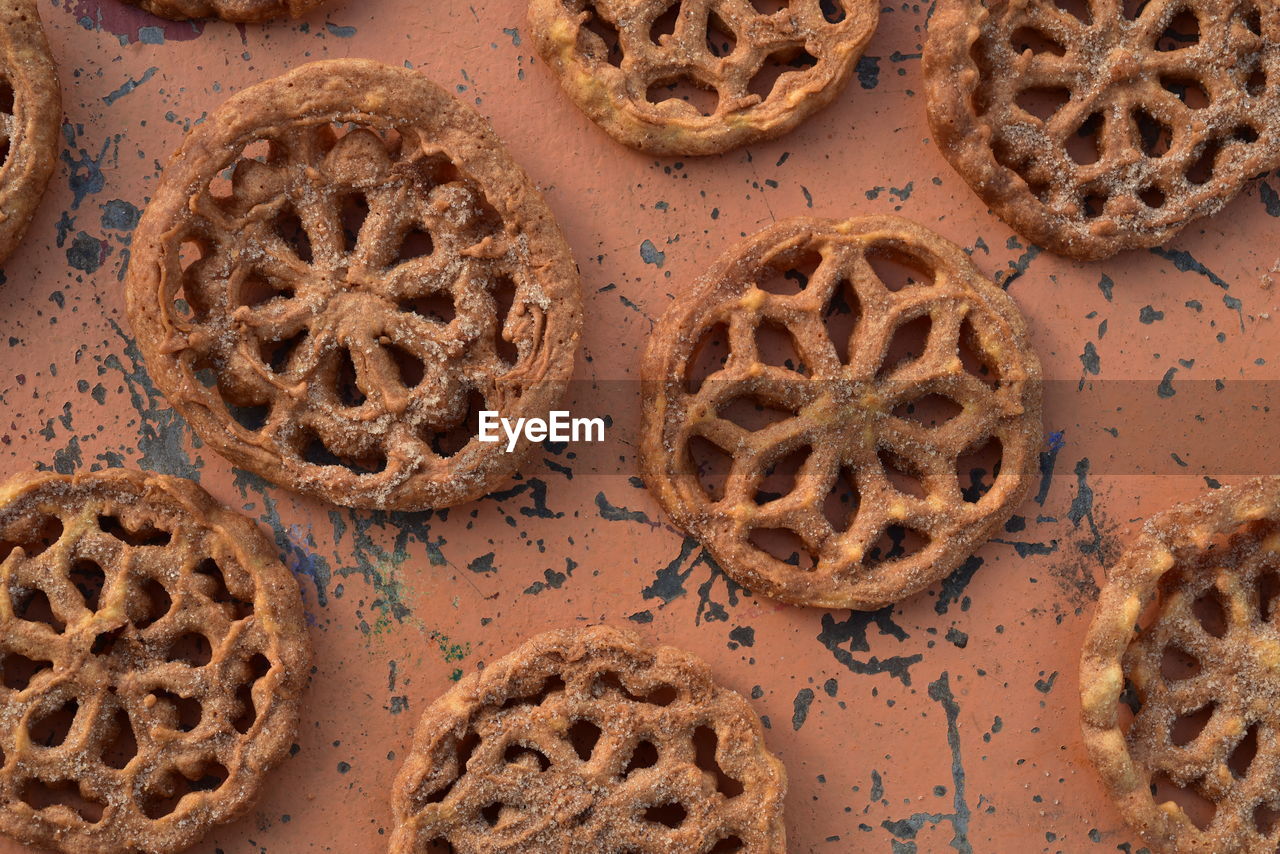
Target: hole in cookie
{"x":782,"y":476}
{"x":790,"y":272}
{"x":1085,"y":145}
{"x":708,"y":356}
{"x":776,"y":66}
{"x":213,"y":584}
{"x":977,"y":469}
{"x":932,"y":410}
{"x":277,"y":354}
{"x":645,"y":755}
{"x":52,"y":728}
{"x":259,"y":665}
{"x":191,"y":648}
{"x":1153,"y":197}
{"x":166,"y":795}
{"x":1030,"y":39}
{"x":583,"y":735}
{"x":436,"y":307}
{"x":1210,"y":612}
{"x":1245,"y":752}
{"x":1256,"y":83}
{"x":527,"y":757}
{"x":89,"y":579}
{"x":775,"y":345}
{"x":1079,"y":9}
{"x":440,"y":845}
{"x":551,"y":685}
{"x":1188,"y":89}
{"x":290,"y":230}
{"x":728,"y":845}
{"x":705,"y":744}
{"x":256,"y":289}
{"x":251,"y":418}
{"x":504,"y":299}
{"x":897,"y":269}
{"x":769,"y":7}
{"x":753,"y":415}
{"x":894,"y":543}
{"x":1199,"y":809}
{"x":46,"y":531}
{"x":1182,"y":31}
{"x":33,"y":605}
{"x":17,"y":670}
{"x":609,"y":47}
{"x":900,"y":474}
{"x":1201,"y":171}
{"x":785,"y":545}
{"x":353,"y":212}
{"x":1268,"y":590}
{"x":6,"y":98}
{"x":974,"y":358}
{"x":1093,"y":204}
{"x":409,"y":368}
{"x":1177,"y":664}
{"x":698,"y":97}
{"x":710,"y":464}
{"x":1244,"y":133}
{"x":346,"y":381}
{"x":415,"y":243}
{"x":176,"y":712}
{"x":316,"y":452}
{"x":1043,"y":102}
{"x":1265,"y":819}
{"x":152,"y":603}
{"x":104,"y":643}
{"x":841,"y":319}
{"x":120,"y":744}
{"x":40,"y":795}
{"x":840,"y":506}
{"x":491,"y":813}
{"x":144,"y":535}
{"x":665,"y":24}
{"x":447,"y":443}
{"x":832,"y":10}
{"x":662,"y":695}
{"x":671,"y":814}
{"x":908,"y":344}
{"x":720,"y":38}
{"x":1133,"y":9}
{"x":1154,"y":135}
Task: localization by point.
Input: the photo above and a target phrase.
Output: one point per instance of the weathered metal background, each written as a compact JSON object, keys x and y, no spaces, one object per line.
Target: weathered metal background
{"x":947,"y":722}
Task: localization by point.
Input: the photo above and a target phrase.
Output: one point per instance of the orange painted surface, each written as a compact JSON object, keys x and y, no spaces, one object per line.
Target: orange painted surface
{"x":946,"y":723}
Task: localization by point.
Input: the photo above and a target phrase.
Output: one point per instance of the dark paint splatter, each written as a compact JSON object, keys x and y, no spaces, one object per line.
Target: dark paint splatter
{"x":853,"y":632}
{"x":800,"y":708}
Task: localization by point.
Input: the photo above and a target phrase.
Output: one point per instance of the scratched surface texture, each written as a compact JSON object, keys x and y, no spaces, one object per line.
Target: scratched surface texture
{"x":947,"y":722}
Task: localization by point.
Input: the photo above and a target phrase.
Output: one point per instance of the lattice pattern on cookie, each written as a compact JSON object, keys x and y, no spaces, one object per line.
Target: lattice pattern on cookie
{"x":874,"y":416}
{"x":1098,"y":125}
{"x":585,"y":740}
{"x":342,"y":298}
{"x":151,"y":652}
{"x":1181,"y":675}
{"x":701,"y":76}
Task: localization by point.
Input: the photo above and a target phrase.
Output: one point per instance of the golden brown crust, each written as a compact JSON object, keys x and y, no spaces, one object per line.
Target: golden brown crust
{"x":1214,"y":93}
{"x":570,"y":742}
{"x":28,"y":130}
{"x":239,"y":11}
{"x":842,"y":410}
{"x":1180,"y":672}
{"x":726,"y":47}
{"x":344,"y":363}
{"x":152,"y":644}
